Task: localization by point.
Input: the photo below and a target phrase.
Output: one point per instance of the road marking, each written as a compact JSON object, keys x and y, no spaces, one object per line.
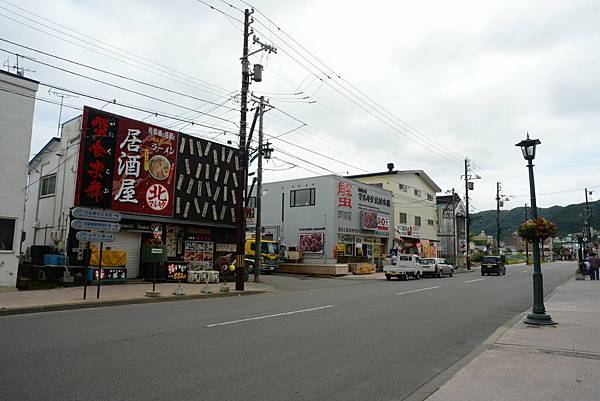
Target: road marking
{"x":472,"y":281}
{"x":508,"y":274}
{"x":269,"y":316}
{"x":419,"y":290}
{"x":524,"y":271}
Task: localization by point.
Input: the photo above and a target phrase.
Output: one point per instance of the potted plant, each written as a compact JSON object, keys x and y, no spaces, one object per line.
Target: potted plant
{"x":537,"y":229}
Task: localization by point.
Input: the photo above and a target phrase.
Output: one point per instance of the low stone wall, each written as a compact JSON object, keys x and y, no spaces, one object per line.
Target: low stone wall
{"x":314,"y":268}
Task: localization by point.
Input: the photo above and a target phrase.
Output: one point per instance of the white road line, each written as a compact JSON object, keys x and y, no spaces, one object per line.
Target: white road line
{"x":269,"y":316}
{"x":508,"y":274}
{"x":472,"y":281}
{"x":419,"y":290}
{"x":523,"y":271}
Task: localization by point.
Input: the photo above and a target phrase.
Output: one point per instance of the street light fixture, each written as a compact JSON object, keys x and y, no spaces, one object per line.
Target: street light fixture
{"x":538,"y":315}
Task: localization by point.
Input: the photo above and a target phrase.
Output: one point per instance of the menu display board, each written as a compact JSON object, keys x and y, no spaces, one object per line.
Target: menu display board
{"x":177,"y":271}
{"x":199,"y":254}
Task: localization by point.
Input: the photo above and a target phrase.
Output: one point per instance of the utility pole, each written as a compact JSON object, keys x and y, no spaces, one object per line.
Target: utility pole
{"x":497,"y":218}
{"x":241,"y":195}
{"x":258,"y":229}
{"x":526,"y":242}
{"x":468,"y":187}
{"x":468,"y":222}
{"x":588,"y":217}
{"x":243,"y":156}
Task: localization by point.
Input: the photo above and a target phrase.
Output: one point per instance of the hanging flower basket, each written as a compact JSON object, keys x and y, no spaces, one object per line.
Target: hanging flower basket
{"x":537,"y":229}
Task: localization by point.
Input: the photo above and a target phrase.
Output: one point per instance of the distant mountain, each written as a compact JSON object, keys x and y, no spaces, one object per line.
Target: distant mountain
{"x":568,"y":219}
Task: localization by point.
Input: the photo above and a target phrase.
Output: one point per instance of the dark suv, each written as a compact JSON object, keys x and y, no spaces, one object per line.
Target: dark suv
{"x":493,"y":264}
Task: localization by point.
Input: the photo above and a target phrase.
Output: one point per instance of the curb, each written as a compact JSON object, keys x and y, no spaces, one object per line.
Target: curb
{"x":119,"y":302}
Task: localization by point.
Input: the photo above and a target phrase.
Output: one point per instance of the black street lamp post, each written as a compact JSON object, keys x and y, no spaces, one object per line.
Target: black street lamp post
{"x":538,"y":315}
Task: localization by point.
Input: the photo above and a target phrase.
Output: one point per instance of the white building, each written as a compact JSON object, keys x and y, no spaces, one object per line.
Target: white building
{"x":330,"y":219}
{"x":17,"y":102}
{"x":51,"y":189}
{"x":415,"y":218}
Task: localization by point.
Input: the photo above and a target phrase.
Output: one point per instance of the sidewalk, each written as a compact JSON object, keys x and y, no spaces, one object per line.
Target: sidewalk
{"x":116,"y":294}
{"x":539,"y":363}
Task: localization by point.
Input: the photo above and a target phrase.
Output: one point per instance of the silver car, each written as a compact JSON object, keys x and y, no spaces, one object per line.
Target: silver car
{"x":436,"y":267}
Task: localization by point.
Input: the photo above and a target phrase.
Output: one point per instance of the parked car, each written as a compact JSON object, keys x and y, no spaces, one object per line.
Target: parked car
{"x":406,"y":266}
{"x":493,"y":264}
{"x":436,"y":267}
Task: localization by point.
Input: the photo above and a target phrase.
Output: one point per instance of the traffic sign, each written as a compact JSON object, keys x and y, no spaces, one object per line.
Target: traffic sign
{"x":95,"y":214}
{"x":94,"y":236}
{"x":96,"y":225}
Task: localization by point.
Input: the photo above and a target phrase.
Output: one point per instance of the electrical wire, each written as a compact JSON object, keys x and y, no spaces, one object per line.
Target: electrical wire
{"x":153,"y":64}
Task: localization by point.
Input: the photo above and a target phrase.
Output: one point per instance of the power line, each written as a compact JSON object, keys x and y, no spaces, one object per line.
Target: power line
{"x":115,"y":86}
{"x":154,"y":64}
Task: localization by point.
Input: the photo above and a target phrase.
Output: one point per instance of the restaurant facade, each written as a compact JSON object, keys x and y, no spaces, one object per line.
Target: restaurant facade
{"x":173,"y":192}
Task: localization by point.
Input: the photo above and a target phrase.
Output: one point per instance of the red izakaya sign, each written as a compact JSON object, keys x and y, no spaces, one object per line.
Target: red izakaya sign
{"x":126,"y":165}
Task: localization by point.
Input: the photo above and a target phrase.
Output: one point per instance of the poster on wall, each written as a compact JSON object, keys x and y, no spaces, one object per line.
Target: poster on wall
{"x":311,"y":242}
{"x":368,"y":220}
{"x":125,"y":165}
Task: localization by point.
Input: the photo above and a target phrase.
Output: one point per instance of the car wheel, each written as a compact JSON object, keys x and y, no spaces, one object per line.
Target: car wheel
{"x":440,"y":274}
{"x":388,"y":277}
{"x":417,"y":276}
{"x":452,"y":273}
{"x":482,"y":273}
{"x":250,"y":268}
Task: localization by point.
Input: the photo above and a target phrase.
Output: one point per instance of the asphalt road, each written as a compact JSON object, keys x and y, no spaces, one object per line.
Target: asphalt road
{"x":312,"y":339}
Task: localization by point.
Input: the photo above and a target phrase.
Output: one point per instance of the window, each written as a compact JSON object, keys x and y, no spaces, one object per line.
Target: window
{"x":378,"y":184}
{"x":418,"y":192}
{"x":251,"y":202}
{"x":418,"y":221}
{"x":48,"y":185}
{"x":302,"y":197}
{"x":403,"y":187}
{"x":430,"y":197}
{"x":7,"y":234}
{"x":429,"y":222}
{"x":402,"y":219}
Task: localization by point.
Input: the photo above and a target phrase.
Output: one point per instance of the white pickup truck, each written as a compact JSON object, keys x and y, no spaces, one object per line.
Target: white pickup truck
{"x":406,"y":266}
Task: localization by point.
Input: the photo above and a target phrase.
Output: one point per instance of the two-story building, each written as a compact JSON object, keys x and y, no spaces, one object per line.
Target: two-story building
{"x":414,"y":213}
{"x":17,"y":102}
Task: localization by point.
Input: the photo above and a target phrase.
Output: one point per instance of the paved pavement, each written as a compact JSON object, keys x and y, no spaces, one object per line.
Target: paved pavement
{"x":539,"y":363}
{"x":116,"y":294}
{"x":310,"y":339}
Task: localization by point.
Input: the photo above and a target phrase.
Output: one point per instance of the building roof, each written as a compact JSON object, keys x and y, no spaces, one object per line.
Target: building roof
{"x":419,"y":173}
{"x":44,"y":149}
{"x":18,"y":77}
{"x":445,"y":199}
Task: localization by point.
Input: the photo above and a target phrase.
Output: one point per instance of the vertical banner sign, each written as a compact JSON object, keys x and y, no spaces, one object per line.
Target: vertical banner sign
{"x":96,"y":159}
{"x":145,"y":163}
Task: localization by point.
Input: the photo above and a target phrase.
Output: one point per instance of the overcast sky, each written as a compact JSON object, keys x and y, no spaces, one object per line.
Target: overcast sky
{"x":419,"y":84}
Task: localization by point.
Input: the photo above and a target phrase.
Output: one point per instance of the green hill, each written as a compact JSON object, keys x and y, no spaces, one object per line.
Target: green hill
{"x":568,"y":219}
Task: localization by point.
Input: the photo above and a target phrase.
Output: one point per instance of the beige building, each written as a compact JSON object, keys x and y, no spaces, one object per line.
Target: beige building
{"x":415,"y":218}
